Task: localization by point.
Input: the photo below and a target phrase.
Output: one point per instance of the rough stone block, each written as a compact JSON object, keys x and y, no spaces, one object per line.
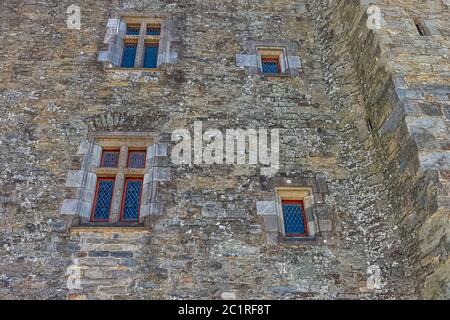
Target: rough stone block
{"x":83,"y":148}
{"x":435,"y":160}
{"x":104,"y":56}
{"x":294,"y":62}
{"x":74,"y":179}
{"x":160,"y":174}
{"x":98,"y":253}
{"x":112,"y":23}
{"x":317,"y":197}
{"x":96,"y":155}
{"x":326,"y":225}
{"x":312,"y":228}
{"x":228,"y":296}
{"x":157,"y":150}
{"x":246,"y":60}
{"x":271,"y":223}
{"x":144,"y":210}
{"x":121,"y":254}
{"x":266,"y":207}
{"x":70,"y":206}
{"x":146,"y":193}
{"x":94,"y":274}
{"x":153,"y":208}
{"x":235,"y":213}
{"x":85,"y":210}
{"x":88,"y":196}
{"x":393,"y":120}
{"x":237,"y":248}
{"x":255,"y":229}
{"x":431,"y":27}
{"x":432,"y":125}
{"x":430,"y":109}
{"x":213,"y":210}
{"x":91,"y":181}
{"x":272,"y":238}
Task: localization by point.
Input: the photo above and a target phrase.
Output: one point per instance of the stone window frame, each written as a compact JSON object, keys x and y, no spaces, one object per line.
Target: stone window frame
{"x":251,"y":62}
{"x":121,"y":173}
{"x":273,"y":218}
{"x":302,"y":194}
{"x":81,"y":184}
{"x":280,"y":54}
{"x":116,"y":36}
{"x":142,"y":39}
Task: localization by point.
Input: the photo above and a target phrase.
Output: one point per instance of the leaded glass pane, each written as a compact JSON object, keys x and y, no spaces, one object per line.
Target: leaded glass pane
{"x":136,"y":159}
{"x":132,"y":200}
{"x":110,"y":159}
{"x":270,"y":66}
{"x":153,"y":30}
{"x":129,"y":55}
{"x":294,"y":222}
{"x":133,"y":29}
{"x":151,"y":55}
{"x":103,"y":199}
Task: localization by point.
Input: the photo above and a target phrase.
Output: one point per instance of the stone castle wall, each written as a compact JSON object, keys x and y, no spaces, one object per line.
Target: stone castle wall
{"x":403,"y":81}
{"x":378,"y":175}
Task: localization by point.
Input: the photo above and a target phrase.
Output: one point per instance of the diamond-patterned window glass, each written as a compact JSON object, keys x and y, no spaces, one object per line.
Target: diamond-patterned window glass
{"x":110,"y":159}
{"x":270,"y":65}
{"x":131,"y":200}
{"x":136,"y":159}
{"x":153,"y":30}
{"x":129,"y":55}
{"x":103,"y":197}
{"x":151,"y":55}
{"x":133,"y":29}
{"x":294,"y":218}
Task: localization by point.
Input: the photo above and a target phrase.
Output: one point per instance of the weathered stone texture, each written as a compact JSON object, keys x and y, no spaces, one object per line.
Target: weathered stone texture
{"x":404,"y":82}
{"x":363,"y":122}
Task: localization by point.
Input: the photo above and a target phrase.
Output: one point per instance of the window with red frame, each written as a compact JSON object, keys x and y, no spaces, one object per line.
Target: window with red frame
{"x":102,"y":201}
{"x":136,"y":159}
{"x":270,"y":64}
{"x":110,"y":159}
{"x":118,"y":164}
{"x":131,"y":201}
{"x":294,"y":217}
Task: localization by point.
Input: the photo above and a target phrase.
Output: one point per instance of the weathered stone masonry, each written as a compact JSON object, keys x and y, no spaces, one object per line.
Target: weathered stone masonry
{"x":404,"y":86}
{"x":363,"y":118}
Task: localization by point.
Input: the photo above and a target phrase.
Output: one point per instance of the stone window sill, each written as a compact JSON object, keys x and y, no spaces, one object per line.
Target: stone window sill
{"x":300,"y":240}
{"x":129,"y":172}
{"x":275,"y":75}
{"x":155,"y":70}
{"x":110,"y":228}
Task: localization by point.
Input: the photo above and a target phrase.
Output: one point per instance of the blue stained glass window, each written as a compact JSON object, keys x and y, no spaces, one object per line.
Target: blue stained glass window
{"x":151,"y":55}
{"x":133,"y":30}
{"x":294,"y":220}
{"x":131,"y":200}
{"x":153,"y":30}
{"x":270,"y":66}
{"x":103,"y":199}
{"x":136,"y":159}
{"x":129,"y":55}
{"x":110,"y":159}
